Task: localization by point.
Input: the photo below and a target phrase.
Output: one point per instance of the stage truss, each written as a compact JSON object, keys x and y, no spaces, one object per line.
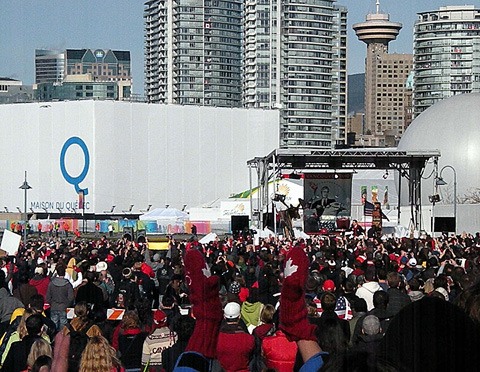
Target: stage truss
{"x":409,"y":165}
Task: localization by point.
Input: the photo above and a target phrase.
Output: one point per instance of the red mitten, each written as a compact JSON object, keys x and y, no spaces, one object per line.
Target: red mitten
{"x":207,"y":307}
{"x":293,"y":309}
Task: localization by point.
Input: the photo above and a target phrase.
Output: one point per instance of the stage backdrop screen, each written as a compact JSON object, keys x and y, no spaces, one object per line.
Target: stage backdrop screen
{"x":327,"y":197}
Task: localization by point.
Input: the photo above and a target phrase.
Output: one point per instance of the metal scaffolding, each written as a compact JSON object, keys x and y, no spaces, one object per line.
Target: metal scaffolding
{"x":409,"y":164}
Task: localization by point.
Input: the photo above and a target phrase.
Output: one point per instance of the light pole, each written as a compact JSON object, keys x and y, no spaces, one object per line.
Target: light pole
{"x":25,"y":187}
{"x":441,"y":182}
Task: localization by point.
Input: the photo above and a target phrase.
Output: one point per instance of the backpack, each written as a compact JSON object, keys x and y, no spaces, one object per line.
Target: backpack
{"x":127,"y":295}
{"x":78,"y":342}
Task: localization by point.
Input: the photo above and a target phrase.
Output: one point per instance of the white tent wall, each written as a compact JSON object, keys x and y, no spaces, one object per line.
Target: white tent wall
{"x":139,"y":153}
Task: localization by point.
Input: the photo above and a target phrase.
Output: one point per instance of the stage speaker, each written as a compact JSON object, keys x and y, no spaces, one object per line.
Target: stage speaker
{"x":128,"y":233}
{"x":141,"y":234}
{"x":442,"y":224}
{"x":239,"y":223}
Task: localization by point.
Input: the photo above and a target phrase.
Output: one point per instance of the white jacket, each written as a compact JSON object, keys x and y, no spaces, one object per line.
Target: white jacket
{"x":366,"y":292}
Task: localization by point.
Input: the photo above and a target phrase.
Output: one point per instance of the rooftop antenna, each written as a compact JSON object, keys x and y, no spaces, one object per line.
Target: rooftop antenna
{"x":378,"y":6}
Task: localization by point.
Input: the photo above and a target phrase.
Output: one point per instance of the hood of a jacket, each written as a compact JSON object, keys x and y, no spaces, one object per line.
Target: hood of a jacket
{"x":3,"y":293}
{"x":372,"y":286}
{"x":59,"y":282}
{"x":251,"y":312}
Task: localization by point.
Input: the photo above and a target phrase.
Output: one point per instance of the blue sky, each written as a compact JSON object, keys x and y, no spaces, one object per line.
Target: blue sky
{"x":118,"y":24}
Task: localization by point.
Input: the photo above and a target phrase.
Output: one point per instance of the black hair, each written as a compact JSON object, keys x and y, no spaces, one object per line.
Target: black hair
{"x":360,"y":305}
{"x":36,"y":302}
{"x":380,"y":299}
{"x":34,"y":324}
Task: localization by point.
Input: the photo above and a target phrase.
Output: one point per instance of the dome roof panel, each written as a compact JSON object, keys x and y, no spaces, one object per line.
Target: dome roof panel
{"x":451,"y":126}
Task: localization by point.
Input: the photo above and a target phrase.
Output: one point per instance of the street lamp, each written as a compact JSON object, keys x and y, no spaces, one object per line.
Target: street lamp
{"x":441,"y":182}
{"x":25,"y":187}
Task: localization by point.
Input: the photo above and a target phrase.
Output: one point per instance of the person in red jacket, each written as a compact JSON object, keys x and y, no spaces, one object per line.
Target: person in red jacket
{"x":40,"y":281}
{"x":279,"y":353}
{"x":235,"y":358}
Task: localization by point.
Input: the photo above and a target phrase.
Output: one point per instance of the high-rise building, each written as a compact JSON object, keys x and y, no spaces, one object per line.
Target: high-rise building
{"x":295,"y":60}
{"x":105,"y":74}
{"x":386,"y":94}
{"x":193,"y":52}
{"x":101,"y":64}
{"x":49,"y":66}
{"x":284,"y":55}
{"x":447,"y":54}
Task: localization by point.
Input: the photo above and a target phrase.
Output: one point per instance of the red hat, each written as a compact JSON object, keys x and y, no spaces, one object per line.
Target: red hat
{"x":159,"y":318}
{"x":328,"y":285}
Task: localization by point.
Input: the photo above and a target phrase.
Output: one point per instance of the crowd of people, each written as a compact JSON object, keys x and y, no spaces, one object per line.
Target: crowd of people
{"x":329,"y":303}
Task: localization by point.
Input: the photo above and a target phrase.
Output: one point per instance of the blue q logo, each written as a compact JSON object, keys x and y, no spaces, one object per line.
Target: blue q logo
{"x":75,"y":181}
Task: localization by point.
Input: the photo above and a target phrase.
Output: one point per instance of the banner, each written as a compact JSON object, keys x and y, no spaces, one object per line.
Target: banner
{"x":81,"y":199}
{"x":374,"y":194}
{"x":363,"y":193}
{"x":327,"y":196}
{"x":386,"y":203}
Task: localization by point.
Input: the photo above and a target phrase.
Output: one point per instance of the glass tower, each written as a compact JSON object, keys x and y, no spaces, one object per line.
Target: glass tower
{"x":193,"y":52}
{"x":446,"y":54}
{"x":295,"y":61}
{"x":49,"y":66}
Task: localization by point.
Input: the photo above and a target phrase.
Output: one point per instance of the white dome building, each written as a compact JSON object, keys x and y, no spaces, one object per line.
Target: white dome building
{"x":451,"y":126}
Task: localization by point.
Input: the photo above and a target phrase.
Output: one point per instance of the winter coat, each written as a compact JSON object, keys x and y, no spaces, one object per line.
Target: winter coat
{"x":62,"y":347}
{"x":41,"y":284}
{"x":171,"y":354}
{"x":154,"y":344}
{"x":366,"y":292}
{"x":250,"y":313}
{"x":24,"y":292}
{"x":59,"y":294}
{"x":91,"y":294}
{"x":234,"y":348}
{"x":262,"y":330}
{"x":369,"y":344}
{"x":16,"y":359}
{"x":278,"y":352}
{"x":397,"y":300}
{"x":130,"y":345}
{"x":7,"y":305}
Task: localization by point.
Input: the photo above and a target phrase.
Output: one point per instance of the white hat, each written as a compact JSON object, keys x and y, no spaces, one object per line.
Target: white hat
{"x":101,"y":266}
{"x":40,"y":260}
{"x":231,"y":310}
{"x":412,"y":262}
{"x":39,"y":270}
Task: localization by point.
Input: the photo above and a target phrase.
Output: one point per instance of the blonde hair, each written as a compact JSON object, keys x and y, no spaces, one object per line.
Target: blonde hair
{"x":39,"y":347}
{"x":98,"y":356}
{"x":22,"y":326}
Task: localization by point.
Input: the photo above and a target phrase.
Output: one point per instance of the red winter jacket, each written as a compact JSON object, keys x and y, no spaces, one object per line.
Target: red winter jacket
{"x":234,"y":349}
{"x":41,"y":283}
{"x":278,"y":352}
